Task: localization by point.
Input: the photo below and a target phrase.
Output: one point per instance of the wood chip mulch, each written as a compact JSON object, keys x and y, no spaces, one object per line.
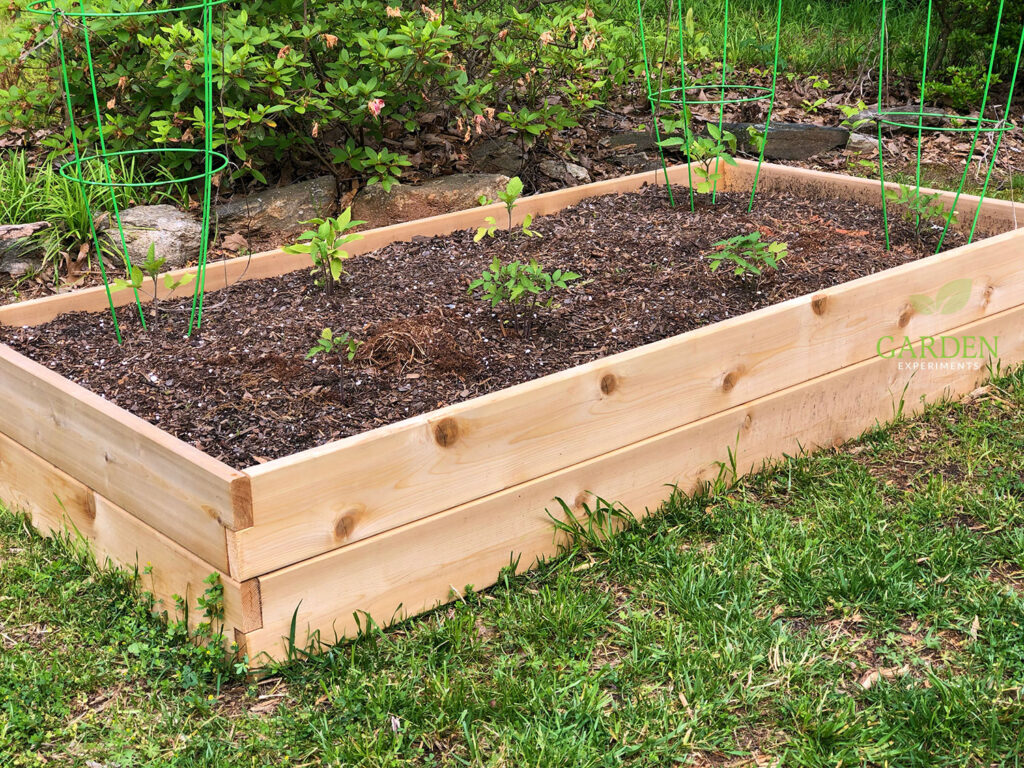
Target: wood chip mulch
{"x":244,"y":393}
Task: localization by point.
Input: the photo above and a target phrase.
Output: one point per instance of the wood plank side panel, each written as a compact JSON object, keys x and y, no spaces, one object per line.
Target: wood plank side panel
{"x":415,"y":567}
{"x":996,"y":215}
{"x":178,"y":490}
{"x":329,"y":497}
{"x":56,"y":503}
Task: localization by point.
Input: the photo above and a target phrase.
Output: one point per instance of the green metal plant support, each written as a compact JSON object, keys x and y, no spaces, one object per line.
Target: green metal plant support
{"x":660,"y":94}
{"x":71,"y":22}
{"x":914,"y":120}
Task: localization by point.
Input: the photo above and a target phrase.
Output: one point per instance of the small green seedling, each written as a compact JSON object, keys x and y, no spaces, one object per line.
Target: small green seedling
{"x":917,"y":206}
{"x":518,"y":283}
{"x":707,"y":150}
{"x":323,"y":245}
{"x":811,"y":107}
{"x":489,"y":229}
{"x":151,"y":268}
{"x":850,"y":112}
{"x":748,"y":254}
{"x":343,"y":344}
{"x":510,"y":195}
{"x":757,"y":138}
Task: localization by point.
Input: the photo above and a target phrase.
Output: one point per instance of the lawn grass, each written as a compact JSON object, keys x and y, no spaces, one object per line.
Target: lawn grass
{"x":860,"y":606}
{"x":817,"y":36}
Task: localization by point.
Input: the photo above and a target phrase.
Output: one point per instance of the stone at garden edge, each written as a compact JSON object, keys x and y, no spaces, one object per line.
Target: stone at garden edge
{"x":174,"y":234}
{"x":405,"y":202}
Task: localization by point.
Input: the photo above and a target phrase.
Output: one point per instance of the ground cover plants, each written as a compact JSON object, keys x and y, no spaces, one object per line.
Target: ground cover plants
{"x":863,"y":605}
{"x":448,"y":318}
{"x":31,"y":194}
{"x":748,"y":254}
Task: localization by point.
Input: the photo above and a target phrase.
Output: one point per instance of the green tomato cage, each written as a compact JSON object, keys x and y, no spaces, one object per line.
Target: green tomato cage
{"x":71,"y":23}
{"x":977,"y":125}
{"x":659,"y":76}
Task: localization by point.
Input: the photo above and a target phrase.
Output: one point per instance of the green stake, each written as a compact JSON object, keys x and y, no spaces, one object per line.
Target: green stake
{"x":75,"y":170}
{"x":977,"y":130}
{"x":58,"y":21}
{"x":771,"y":105}
{"x":658,"y":96}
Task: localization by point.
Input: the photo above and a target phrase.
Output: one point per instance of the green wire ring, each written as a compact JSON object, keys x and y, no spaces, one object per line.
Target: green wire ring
{"x":764,"y":95}
{"x":73,"y":170}
{"x":134,"y":153}
{"x":981,"y":124}
{"x":35,"y":7}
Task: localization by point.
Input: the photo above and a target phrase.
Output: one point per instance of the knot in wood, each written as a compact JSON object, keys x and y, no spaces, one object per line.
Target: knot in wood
{"x":986,"y":297}
{"x":345,"y":527}
{"x":905,"y":315}
{"x":446,"y":432}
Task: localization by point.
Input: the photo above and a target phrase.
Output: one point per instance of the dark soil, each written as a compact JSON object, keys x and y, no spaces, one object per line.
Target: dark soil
{"x":244,"y":393}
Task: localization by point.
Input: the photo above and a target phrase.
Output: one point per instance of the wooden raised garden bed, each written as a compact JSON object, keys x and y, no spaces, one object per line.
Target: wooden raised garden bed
{"x":397,"y":519}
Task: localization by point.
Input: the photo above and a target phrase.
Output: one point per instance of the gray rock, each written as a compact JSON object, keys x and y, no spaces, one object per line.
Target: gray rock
{"x":637,"y":161}
{"x":19,"y":255}
{"x":933,"y":117}
{"x":791,"y":141}
{"x":633,"y":140}
{"x":567,"y":173}
{"x":501,"y":155}
{"x":174,"y":234}
{"x":281,"y":210}
{"x":577,"y":173}
{"x":862,"y":142}
{"x":405,"y":202}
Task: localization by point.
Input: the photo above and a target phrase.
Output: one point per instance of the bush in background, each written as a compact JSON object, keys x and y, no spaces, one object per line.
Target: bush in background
{"x":354,"y":86}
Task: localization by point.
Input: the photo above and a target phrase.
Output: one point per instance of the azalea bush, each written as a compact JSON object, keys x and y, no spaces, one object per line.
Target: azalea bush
{"x":358,"y":88}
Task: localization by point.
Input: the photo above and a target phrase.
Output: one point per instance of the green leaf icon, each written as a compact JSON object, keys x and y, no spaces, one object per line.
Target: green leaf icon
{"x":953,"y":296}
{"x":922,"y":304}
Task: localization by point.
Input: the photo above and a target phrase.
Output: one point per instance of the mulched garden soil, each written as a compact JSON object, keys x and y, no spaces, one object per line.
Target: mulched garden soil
{"x":244,"y":393}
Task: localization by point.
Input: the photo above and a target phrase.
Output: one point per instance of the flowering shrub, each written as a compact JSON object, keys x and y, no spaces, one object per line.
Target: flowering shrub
{"x":356,"y":87}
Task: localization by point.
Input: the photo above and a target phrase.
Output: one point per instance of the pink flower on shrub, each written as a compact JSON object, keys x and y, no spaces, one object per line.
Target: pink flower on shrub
{"x":547,"y":38}
{"x":394,"y":12}
{"x":375,"y":106}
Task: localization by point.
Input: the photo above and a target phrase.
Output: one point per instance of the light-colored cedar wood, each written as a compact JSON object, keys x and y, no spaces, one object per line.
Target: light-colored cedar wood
{"x":35,"y":486}
{"x":167,"y":569}
{"x":277,"y":262}
{"x":996,"y":215}
{"x":342,"y":492}
{"x":419,"y":565}
{"x":179,"y":490}
{"x":57,"y":503}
